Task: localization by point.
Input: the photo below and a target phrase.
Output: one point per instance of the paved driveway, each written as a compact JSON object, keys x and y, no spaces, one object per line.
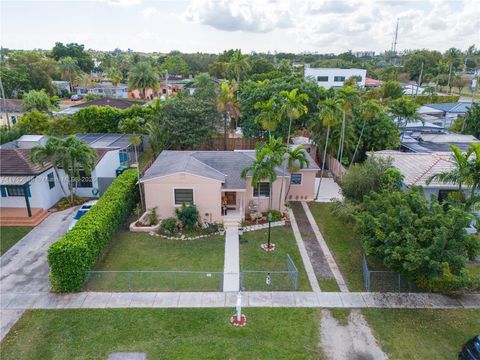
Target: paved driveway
{"x":24,"y":268}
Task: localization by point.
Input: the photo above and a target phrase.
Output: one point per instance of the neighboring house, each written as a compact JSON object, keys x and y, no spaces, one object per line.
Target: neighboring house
{"x":35,"y":188}
{"x":104,"y":101}
{"x":430,"y":142}
{"x":209,"y":178}
{"x":369,"y":83}
{"x":105,"y":89}
{"x":61,"y":86}
{"x":334,"y":77}
{"x":412,"y":89}
{"x":307,"y":143}
{"x":418,"y":167}
{"x":14,"y":109}
{"x":445,"y":113}
{"x":361,"y":54}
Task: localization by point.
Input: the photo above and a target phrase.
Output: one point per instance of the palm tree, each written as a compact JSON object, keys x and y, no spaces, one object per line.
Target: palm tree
{"x":369,"y":110}
{"x":269,"y":117}
{"x":204,"y":86}
{"x":84,"y":80}
{"x":348,"y":100}
{"x":53,"y":152}
{"x":68,"y":69}
{"x":293,"y":107}
{"x":296,"y":159}
{"x":238,"y":64}
{"x":227,"y":105}
{"x":76,"y":156}
{"x":405,"y":110}
{"x":142,"y":76}
{"x":328,"y":116}
{"x":114,"y":75}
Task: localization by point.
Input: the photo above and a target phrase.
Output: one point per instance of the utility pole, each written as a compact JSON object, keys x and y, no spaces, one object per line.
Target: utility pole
{"x":449,"y":78}
{"x":4,"y":103}
{"x":418,"y":83}
{"x":394,"y":44}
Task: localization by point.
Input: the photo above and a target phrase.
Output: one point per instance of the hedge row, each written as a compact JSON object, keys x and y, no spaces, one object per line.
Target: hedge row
{"x":78,"y":250}
{"x":435,"y":99}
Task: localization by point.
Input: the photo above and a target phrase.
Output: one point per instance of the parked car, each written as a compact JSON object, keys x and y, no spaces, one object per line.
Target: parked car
{"x":471,"y":349}
{"x":76,"y":97}
{"x":80,"y":212}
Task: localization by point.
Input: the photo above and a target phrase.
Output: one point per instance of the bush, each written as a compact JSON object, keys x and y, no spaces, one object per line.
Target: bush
{"x":276,"y":215}
{"x":7,"y":135}
{"x":188,"y":216}
{"x":79,"y":249}
{"x":92,"y":96}
{"x":153,"y":218}
{"x":169,"y":227}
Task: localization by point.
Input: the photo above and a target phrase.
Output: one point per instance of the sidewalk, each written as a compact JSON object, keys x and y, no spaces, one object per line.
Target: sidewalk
{"x":231,"y":267}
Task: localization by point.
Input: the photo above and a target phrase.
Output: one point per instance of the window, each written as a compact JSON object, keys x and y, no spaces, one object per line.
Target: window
{"x":51,"y":181}
{"x":322,"y":78}
{"x":84,"y":181}
{"x":339,"y":78}
{"x":183,"y":196}
{"x":15,"y":190}
{"x":358,"y":78}
{"x":262,"y":190}
{"x":296,"y":179}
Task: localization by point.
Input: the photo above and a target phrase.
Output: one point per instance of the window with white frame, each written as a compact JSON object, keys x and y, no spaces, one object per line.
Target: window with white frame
{"x":339,"y":78}
{"x":296,"y":179}
{"x":183,"y":196}
{"x":262,"y":190}
{"x":51,"y":180}
{"x":322,"y":78}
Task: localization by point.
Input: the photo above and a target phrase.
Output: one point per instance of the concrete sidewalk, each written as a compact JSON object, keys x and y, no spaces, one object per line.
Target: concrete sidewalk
{"x":231,"y":267}
{"x":329,"y":190}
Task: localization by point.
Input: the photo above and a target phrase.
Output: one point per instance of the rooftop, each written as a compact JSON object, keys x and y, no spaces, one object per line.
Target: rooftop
{"x":460,"y":107}
{"x":12,"y":105}
{"x":104,"y":101}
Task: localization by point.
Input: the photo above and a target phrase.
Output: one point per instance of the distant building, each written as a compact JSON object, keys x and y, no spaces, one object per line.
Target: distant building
{"x":335,"y":77}
{"x":61,"y":86}
{"x":14,"y":109}
{"x":105,"y":101}
{"x":360,"y":54}
{"x":369,"y":83}
{"x":443,"y":114}
{"x":105,"y":89}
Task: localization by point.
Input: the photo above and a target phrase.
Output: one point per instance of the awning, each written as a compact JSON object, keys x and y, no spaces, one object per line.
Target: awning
{"x":15,"y":180}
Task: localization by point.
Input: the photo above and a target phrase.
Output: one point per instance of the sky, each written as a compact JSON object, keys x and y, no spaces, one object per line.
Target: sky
{"x":323,"y":26}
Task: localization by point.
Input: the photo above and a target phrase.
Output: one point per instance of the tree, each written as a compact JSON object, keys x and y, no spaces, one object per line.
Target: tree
{"x":84,"y":80}
{"x":296,"y":160}
{"x":404,"y":110}
{"x":175,"y":65}
{"x":238,"y":64}
{"x":227,"y":106}
{"x":269,"y":116}
{"x":392,"y":89}
{"x":418,"y":239}
{"x":142,"y":76}
{"x":114,"y":75}
{"x":349,"y":98}
{"x":36,"y":100}
{"x":68,"y":69}
{"x":75,"y":51}
{"x":460,"y":82}
{"x":471,"y":121}
{"x":430,"y":61}
{"x":204,"y":87}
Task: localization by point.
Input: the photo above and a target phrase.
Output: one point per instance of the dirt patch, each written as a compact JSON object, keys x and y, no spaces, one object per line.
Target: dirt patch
{"x":352,"y":341}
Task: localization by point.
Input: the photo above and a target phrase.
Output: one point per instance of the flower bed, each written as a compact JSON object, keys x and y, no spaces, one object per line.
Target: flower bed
{"x":138,"y":225}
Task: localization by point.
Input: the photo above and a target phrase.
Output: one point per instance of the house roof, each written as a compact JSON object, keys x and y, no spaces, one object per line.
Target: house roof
{"x":12,"y":105}
{"x":450,"y":138}
{"x":224,"y":166}
{"x":460,"y":107}
{"x":418,"y":167}
{"x":108,"y":101}
{"x":372,"y":82}
{"x":107,"y":141}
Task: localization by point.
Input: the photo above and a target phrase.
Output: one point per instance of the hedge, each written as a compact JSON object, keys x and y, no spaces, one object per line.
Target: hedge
{"x":435,"y":99}
{"x":79,"y":249}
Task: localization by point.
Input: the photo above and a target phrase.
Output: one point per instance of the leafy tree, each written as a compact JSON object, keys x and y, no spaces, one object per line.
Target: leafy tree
{"x":471,"y":121}
{"x":420,"y":240}
{"x":227,"y":106}
{"x":75,"y":51}
{"x":114,"y":75}
{"x":84,"y":80}
{"x":36,"y":100}
{"x":142,"y":76}
{"x":460,"y":82}
{"x":7,"y":135}
{"x":260,"y":65}
{"x":392,"y":89}
{"x":269,"y":116}
{"x":68,"y":68}
{"x":61,"y":125}
{"x":405,"y":110}
{"x":238,"y":64}
{"x":33,"y":122}
{"x":205,"y":87}
{"x":175,"y":65}
{"x":429,"y":59}
{"x":134,"y":125}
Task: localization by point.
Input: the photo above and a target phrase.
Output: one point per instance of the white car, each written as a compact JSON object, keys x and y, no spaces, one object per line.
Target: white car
{"x":80,"y":212}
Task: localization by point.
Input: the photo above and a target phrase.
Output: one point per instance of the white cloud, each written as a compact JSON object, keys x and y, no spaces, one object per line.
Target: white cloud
{"x":260,"y":16}
{"x":150,"y":12}
{"x":121,"y":3}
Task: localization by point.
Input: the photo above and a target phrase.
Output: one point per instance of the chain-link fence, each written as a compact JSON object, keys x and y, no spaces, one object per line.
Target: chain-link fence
{"x":384,"y":280}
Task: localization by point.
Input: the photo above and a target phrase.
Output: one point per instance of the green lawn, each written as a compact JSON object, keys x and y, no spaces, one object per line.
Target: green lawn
{"x":141,"y":251}
{"x":474,"y":269}
{"x":164,"y":334}
{"x":342,"y":243}
{"x":10,"y":235}
{"x":423,"y":334}
{"x":252,"y":257}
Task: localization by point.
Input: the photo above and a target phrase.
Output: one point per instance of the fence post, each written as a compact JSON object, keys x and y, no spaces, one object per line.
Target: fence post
{"x":129,"y":275}
{"x":399,"y":284}
{"x":175,"y":280}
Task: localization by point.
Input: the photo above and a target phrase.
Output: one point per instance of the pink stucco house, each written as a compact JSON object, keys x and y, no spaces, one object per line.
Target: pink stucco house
{"x":210,"y":178}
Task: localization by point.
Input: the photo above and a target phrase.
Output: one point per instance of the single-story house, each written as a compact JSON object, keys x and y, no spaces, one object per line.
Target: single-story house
{"x":445,"y":113}
{"x":104,"y":101}
{"x":436,"y":141}
{"x":105,"y":88}
{"x":369,"y":82}
{"x":211,"y":179}
{"x":14,"y":109}
{"x":29,"y":189}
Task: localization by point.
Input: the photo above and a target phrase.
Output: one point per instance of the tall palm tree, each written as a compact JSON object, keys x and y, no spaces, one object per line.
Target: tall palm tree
{"x":238,"y":64}
{"x":53,"y":152}
{"x":68,"y":69}
{"x":368,"y":111}
{"x":114,"y":75}
{"x":227,"y":105}
{"x":328,"y":116}
{"x":269,"y":117}
{"x":405,"y":110}
{"x":292,"y":106}
{"x":349,"y":98}
{"x":142,"y":76}
{"x":84,"y":80}
{"x":296,"y":160}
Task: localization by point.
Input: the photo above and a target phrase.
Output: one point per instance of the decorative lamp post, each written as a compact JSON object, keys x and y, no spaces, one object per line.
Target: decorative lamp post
{"x":268,"y":246}
{"x":238,"y":319}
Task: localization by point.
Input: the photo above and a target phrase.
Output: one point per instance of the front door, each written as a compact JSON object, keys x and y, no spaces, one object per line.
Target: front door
{"x":231,"y":199}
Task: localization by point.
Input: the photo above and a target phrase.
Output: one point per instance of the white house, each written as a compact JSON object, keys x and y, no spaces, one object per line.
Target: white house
{"x":334,"y":77}
{"x":105,"y":88}
{"x":35,"y":188}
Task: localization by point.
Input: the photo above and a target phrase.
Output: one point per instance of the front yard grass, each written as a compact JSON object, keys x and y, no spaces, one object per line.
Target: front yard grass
{"x":9,"y":236}
{"x":140,"y":251}
{"x":423,"y":334}
{"x":164,"y":334}
{"x":252,"y":257}
{"x":341,"y":240}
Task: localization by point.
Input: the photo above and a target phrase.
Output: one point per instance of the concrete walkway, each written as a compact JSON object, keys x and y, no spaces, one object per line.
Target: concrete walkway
{"x":231,"y":267}
{"x":326,"y":251}
{"x":328,"y":190}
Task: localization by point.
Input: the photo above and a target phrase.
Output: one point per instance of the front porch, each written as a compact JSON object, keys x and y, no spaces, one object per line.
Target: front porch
{"x":20,"y":217}
{"x":233,"y":207}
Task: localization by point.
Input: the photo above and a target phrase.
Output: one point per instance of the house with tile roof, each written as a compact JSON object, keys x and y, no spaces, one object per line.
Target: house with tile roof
{"x":211,"y":180}
{"x":29,"y":189}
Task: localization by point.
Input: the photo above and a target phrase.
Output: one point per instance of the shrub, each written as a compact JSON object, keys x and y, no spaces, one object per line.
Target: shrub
{"x":392,"y":179}
{"x":79,"y":249}
{"x":169,"y":227}
{"x":153,"y":217}
{"x":276,"y":215}
{"x":188,"y":216}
